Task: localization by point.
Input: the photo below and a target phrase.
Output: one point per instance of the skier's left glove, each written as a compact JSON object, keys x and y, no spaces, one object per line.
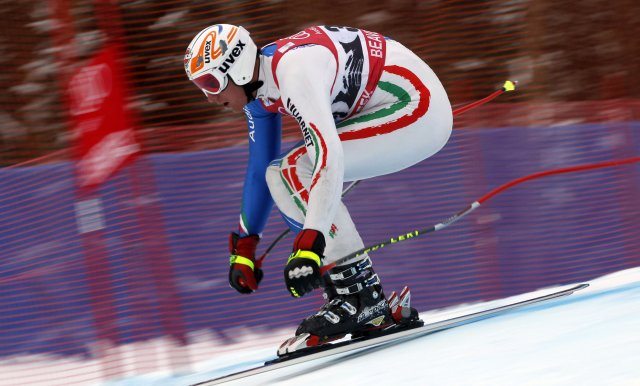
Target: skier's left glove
{"x":302,"y":272}
{"x":244,"y":275}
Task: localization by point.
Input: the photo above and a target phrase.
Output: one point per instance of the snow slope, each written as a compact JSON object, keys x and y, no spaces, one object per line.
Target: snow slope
{"x":589,"y":338}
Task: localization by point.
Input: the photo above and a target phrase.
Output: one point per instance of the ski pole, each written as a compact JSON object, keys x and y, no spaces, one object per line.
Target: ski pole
{"x":416,"y":233}
{"x":506,"y":87}
{"x":286,"y":231}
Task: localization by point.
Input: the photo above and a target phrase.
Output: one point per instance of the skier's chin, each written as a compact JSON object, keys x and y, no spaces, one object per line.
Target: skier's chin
{"x":232,"y":107}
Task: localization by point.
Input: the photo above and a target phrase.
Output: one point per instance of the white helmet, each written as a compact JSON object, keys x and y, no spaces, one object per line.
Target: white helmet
{"x":218,"y":51}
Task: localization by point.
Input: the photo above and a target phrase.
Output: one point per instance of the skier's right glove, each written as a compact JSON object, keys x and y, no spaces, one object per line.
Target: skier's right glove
{"x":244,"y":275}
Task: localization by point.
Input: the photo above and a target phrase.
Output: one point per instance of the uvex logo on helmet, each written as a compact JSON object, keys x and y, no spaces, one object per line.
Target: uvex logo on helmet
{"x":211,"y":48}
{"x":237,"y":50}
{"x":207,"y":52}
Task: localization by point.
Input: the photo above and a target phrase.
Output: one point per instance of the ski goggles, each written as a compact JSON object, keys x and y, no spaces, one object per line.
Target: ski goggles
{"x":211,"y":83}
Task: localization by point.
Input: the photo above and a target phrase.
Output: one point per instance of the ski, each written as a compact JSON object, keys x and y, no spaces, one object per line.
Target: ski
{"x":378,"y":341}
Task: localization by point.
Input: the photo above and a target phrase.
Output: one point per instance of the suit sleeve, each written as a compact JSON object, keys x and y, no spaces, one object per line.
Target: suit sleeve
{"x":306,"y":76}
{"x":264,"y":130}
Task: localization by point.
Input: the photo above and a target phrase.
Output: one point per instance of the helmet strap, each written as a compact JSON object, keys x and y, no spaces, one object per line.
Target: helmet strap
{"x":250,"y":87}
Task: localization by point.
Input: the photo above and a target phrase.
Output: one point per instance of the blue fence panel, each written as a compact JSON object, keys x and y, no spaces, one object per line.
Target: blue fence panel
{"x":554,"y":230}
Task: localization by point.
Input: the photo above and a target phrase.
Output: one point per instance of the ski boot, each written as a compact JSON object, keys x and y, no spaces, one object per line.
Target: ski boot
{"x":356,"y":305}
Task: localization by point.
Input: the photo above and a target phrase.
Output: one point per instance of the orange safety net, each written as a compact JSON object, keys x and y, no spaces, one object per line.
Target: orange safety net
{"x":560,"y":53}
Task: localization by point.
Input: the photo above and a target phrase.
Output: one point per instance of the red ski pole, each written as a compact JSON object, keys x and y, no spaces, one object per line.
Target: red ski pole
{"x":506,"y":87}
{"x":414,"y":234}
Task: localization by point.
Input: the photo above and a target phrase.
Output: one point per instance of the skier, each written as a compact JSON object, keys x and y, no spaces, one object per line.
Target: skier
{"x":366,"y":106}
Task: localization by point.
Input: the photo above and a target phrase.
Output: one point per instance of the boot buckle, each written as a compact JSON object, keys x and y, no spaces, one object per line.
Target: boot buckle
{"x":349,"y":308}
{"x":331,"y":317}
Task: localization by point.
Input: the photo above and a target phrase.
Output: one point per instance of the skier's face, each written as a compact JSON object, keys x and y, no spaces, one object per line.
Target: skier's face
{"x":232,"y":97}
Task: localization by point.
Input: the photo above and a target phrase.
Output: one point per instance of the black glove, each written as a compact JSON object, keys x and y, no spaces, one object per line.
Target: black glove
{"x":244,"y":273}
{"x":302,"y":272}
